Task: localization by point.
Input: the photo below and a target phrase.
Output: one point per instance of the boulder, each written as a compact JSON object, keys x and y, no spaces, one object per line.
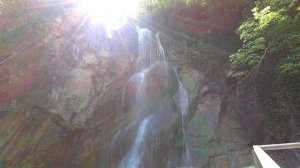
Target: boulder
{"x":148,"y":87}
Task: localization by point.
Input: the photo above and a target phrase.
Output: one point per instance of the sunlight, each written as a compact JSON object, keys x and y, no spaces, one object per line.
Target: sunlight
{"x":113,"y":14}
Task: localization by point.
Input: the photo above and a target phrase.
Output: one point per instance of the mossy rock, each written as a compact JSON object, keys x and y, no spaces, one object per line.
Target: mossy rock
{"x":11,"y":37}
{"x":202,"y":137}
{"x":188,"y":83}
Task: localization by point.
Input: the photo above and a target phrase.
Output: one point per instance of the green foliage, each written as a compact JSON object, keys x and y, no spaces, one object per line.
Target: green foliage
{"x":291,"y":63}
{"x":160,"y":5}
{"x":154,"y":6}
{"x":270,"y":31}
{"x":271,"y":57}
{"x":201,"y":55}
{"x":206,"y":54}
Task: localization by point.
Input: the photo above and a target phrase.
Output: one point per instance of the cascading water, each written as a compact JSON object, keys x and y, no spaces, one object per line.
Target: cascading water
{"x":184,"y":100}
{"x":184,"y":103}
{"x":145,"y":54}
{"x":153,"y":85}
{"x":134,"y":156}
{"x":160,"y":49}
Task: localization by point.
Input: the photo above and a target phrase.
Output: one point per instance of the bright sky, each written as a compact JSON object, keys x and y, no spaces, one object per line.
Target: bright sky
{"x":113,"y":14}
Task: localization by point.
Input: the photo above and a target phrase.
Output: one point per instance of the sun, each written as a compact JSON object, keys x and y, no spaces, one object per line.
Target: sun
{"x":113,"y":14}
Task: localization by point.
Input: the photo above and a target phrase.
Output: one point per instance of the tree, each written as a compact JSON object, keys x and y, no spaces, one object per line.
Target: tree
{"x":272,"y":30}
{"x":270,"y":59}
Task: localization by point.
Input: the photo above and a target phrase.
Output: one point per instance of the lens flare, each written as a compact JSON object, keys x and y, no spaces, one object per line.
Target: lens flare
{"x":113,"y":14}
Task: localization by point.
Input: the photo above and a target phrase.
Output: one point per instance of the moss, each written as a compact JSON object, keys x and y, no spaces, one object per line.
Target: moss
{"x":2,"y":140}
{"x":12,"y":108}
{"x":179,"y":143}
{"x":2,"y":161}
{"x":204,"y":141}
{"x":10,"y":37}
{"x":188,"y":83}
{"x":28,"y":163}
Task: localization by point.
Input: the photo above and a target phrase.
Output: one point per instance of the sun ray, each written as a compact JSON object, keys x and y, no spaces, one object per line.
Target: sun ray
{"x":112,"y":14}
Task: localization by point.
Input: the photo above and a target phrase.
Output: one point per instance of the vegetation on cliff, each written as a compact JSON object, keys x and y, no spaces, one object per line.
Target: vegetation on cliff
{"x":267,"y":59}
{"x":270,"y":57}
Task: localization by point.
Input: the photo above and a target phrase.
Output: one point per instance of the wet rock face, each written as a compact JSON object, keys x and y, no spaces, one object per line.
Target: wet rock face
{"x":67,"y":92}
{"x":217,"y":133}
{"x":73,"y":97}
{"x":148,"y":87}
{"x":158,"y":141}
{"x":18,"y":76}
{"x":149,"y":96}
{"x":161,"y":80}
{"x":40,"y":139}
{"x":67,"y":78}
{"x":72,"y":75}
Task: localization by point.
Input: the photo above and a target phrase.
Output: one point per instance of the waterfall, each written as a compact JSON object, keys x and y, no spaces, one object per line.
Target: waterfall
{"x":184,"y":103}
{"x":145,"y":54}
{"x":132,"y":159}
{"x":160,"y":49}
{"x":154,"y":79}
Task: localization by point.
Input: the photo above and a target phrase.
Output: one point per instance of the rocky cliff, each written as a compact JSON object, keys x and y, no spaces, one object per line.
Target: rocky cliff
{"x":61,"y":101}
